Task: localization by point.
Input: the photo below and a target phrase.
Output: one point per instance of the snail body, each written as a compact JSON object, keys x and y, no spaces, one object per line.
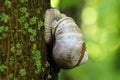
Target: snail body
{"x":69,"y":48}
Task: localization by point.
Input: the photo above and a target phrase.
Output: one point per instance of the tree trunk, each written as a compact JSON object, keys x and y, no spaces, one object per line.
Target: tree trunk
{"x":23,"y":53}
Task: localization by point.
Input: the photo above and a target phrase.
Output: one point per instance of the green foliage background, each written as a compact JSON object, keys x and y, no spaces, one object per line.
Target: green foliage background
{"x":101,"y":29}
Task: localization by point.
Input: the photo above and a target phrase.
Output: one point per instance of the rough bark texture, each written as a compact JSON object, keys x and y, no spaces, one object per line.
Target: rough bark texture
{"x":23,"y":53}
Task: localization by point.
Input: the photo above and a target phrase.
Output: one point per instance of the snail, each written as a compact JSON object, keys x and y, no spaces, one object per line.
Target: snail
{"x":69,"y":49}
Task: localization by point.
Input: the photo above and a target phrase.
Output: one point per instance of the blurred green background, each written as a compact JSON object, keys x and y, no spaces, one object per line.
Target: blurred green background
{"x":100,"y":22}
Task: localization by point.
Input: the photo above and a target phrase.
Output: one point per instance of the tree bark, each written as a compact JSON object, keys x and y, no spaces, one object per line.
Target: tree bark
{"x":23,"y":51}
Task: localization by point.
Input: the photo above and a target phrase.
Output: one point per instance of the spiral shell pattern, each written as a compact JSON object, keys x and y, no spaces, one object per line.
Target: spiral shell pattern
{"x":69,"y":49}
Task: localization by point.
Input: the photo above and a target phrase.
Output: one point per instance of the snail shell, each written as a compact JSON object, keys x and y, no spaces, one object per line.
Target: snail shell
{"x":69,"y":49}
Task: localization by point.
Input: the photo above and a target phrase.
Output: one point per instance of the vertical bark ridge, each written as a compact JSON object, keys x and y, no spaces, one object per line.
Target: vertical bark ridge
{"x":16,"y":50}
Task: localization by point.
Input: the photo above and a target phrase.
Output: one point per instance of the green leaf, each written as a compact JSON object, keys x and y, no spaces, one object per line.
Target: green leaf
{"x":23,"y":9}
{"x":40,"y":24}
{"x":49,"y":76}
{"x":47,"y":64}
{"x":22,"y":72}
{"x":1,"y":29}
{"x":34,"y":47}
{"x":23,"y":1}
{"x":18,"y":45}
{"x":22,"y":19}
{"x":6,"y":29}
{"x":32,"y":31}
{"x":11,"y":61}
{"x":43,"y":69}
{"x":12,"y":49}
{"x":36,"y":57}
{"x":4,"y":17}
{"x":33,"y":20}
{"x":26,"y":25}
{"x":4,"y":35}
{"x":38,"y":10}
{"x":8,"y":3}
{"x":11,"y":75}
{"x":19,"y":52}
{"x":15,"y":78}
{"x":2,"y":68}
{"x":27,"y":14}
{"x":32,"y":38}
